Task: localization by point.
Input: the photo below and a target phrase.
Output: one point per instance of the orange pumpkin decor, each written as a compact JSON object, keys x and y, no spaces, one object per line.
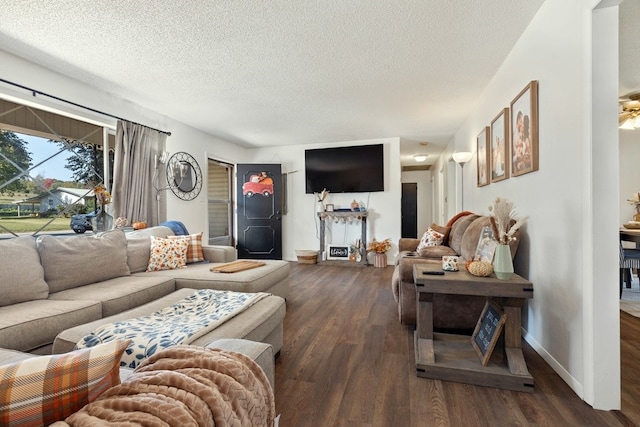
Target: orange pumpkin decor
{"x":139,"y":225}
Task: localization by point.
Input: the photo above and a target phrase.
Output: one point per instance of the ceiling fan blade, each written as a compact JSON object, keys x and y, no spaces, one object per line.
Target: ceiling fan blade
{"x":623,"y":116}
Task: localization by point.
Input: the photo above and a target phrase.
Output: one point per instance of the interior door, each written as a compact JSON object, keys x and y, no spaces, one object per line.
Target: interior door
{"x":259,"y":195}
{"x":409,"y":209}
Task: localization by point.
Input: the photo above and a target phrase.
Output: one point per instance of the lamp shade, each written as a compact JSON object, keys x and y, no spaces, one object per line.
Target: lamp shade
{"x":462,"y":157}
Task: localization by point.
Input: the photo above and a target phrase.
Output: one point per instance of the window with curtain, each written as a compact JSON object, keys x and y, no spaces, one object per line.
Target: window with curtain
{"x":49,"y":164}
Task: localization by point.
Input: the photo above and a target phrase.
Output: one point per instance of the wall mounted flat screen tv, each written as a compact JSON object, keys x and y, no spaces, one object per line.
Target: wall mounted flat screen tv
{"x":357,"y":169}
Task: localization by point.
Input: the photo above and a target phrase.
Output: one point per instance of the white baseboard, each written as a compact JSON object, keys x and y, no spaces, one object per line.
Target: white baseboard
{"x":575,"y":385}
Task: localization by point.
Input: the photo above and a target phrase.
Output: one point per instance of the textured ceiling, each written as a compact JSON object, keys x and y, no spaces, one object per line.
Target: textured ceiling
{"x":265,"y":73}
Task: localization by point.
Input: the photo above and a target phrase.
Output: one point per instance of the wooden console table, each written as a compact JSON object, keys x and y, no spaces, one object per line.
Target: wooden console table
{"x":357,"y":215}
{"x":452,"y":357}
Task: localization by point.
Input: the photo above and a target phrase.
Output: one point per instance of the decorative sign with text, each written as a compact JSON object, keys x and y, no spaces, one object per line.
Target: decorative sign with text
{"x":338,"y":252}
{"x":487,"y":331}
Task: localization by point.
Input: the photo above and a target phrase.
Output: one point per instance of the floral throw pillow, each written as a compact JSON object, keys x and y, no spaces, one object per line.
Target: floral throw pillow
{"x":430,"y":238}
{"x":167,"y":254}
{"x":194,"y":252}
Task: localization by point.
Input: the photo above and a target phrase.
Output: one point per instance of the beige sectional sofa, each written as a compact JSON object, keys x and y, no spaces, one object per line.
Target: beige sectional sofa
{"x":55,"y":283}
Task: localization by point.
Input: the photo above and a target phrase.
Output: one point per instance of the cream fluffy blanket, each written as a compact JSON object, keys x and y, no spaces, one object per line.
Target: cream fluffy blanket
{"x":185,"y":386}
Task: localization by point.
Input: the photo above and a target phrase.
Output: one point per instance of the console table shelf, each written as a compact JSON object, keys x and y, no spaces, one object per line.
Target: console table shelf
{"x":452,"y":357}
{"x":345,"y":215}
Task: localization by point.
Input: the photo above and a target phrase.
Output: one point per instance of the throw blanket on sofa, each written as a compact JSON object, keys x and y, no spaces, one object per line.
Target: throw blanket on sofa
{"x":185,"y":386}
{"x":181,"y":323}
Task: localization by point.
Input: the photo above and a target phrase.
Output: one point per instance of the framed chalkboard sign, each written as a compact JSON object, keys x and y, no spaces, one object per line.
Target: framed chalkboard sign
{"x":487,"y":331}
{"x":338,"y":252}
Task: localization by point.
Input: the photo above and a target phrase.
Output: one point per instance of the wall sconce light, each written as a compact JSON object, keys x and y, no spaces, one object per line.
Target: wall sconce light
{"x":461,"y":158}
{"x":161,"y":159}
{"x":420,"y":157}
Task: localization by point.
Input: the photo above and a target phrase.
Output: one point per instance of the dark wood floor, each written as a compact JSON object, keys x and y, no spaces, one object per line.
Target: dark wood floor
{"x":347,"y":361}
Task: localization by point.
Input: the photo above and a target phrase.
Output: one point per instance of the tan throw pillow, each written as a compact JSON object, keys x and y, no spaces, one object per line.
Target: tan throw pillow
{"x":75,"y":261}
{"x":21,"y":274}
{"x":167,"y":254}
{"x":42,"y":390}
{"x":194,"y":251}
{"x":430,"y":238}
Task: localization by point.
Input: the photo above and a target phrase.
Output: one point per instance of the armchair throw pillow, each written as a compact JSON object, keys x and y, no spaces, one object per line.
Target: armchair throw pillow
{"x":430,"y":238}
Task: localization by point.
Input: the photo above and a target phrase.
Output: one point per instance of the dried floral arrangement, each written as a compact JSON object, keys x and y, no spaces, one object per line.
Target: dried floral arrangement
{"x":322,"y":195}
{"x":103,"y":197}
{"x":379,"y":247}
{"x":635,"y":201}
{"x":503,"y":221}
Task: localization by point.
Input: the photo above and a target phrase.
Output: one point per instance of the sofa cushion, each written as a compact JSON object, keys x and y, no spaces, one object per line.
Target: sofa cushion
{"x":469,"y":242}
{"x":167,"y":254}
{"x":120,"y":293}
{"x":75,"y":261}
{"x":436,"y":252}
{"x":138,"y":253}
{"x":45,"y":389}
{"x":21,"y":274}
{"x":30,"y":325}
{"x":458,"y":229}
{"x":194,"y":250}
{"x":157,"y":231}
{"x":260,"y":279}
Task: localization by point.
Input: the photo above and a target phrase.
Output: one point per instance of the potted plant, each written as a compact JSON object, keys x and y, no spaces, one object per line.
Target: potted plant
{"x":379,"y":249}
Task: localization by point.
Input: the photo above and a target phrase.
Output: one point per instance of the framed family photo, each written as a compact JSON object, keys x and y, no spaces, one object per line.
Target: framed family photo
{"x":482,"y":148}
{"x":500,"y":147}
{"x":524,"y":130}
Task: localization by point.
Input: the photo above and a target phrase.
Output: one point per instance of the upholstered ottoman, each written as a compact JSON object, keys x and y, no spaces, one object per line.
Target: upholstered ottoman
{"x":261,"y":322}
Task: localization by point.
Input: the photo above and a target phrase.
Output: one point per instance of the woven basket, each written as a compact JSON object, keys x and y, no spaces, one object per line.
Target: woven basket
{"x":307,"y":257}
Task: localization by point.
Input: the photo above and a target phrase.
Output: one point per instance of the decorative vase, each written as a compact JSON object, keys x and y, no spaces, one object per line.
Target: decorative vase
{"x":102,"y":221}
{"x":636,"y":216}
{"x":379,"y":260}
{"x":502,"y":262}
{"x":320,"y":206}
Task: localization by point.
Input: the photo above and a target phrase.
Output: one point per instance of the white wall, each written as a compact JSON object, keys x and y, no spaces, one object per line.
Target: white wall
{"x":629,"y":171}
{"x":424,"y":182}
{"x":557,"y":254}
{"x":300,"y":226}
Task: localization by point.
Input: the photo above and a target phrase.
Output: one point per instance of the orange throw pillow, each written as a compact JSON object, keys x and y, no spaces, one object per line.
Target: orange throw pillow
{"x":457,"y":216}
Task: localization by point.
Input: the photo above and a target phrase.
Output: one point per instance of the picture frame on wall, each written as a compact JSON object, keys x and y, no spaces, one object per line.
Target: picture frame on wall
{"x":500,"y":146}
{"x":524,"y":130}
{"x":482,"y":149}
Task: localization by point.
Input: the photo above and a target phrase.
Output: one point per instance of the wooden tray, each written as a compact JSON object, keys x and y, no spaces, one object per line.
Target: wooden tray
{"x":236,"y":266}
{"x":632,"y":225}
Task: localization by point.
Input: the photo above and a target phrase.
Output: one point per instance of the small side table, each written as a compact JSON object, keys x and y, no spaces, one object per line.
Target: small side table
{"x":452,"y":357}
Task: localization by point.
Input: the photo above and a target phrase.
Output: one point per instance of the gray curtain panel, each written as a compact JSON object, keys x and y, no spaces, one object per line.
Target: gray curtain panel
{"x":133,"y":194}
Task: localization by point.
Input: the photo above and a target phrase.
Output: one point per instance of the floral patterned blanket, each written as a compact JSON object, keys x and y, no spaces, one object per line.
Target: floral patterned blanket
{"x":181,"y":323}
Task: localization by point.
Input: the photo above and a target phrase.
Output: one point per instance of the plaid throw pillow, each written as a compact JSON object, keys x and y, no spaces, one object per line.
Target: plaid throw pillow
{"x":194,"y":251}
{"x":42,"y":390}
{"x":167,"y":254}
